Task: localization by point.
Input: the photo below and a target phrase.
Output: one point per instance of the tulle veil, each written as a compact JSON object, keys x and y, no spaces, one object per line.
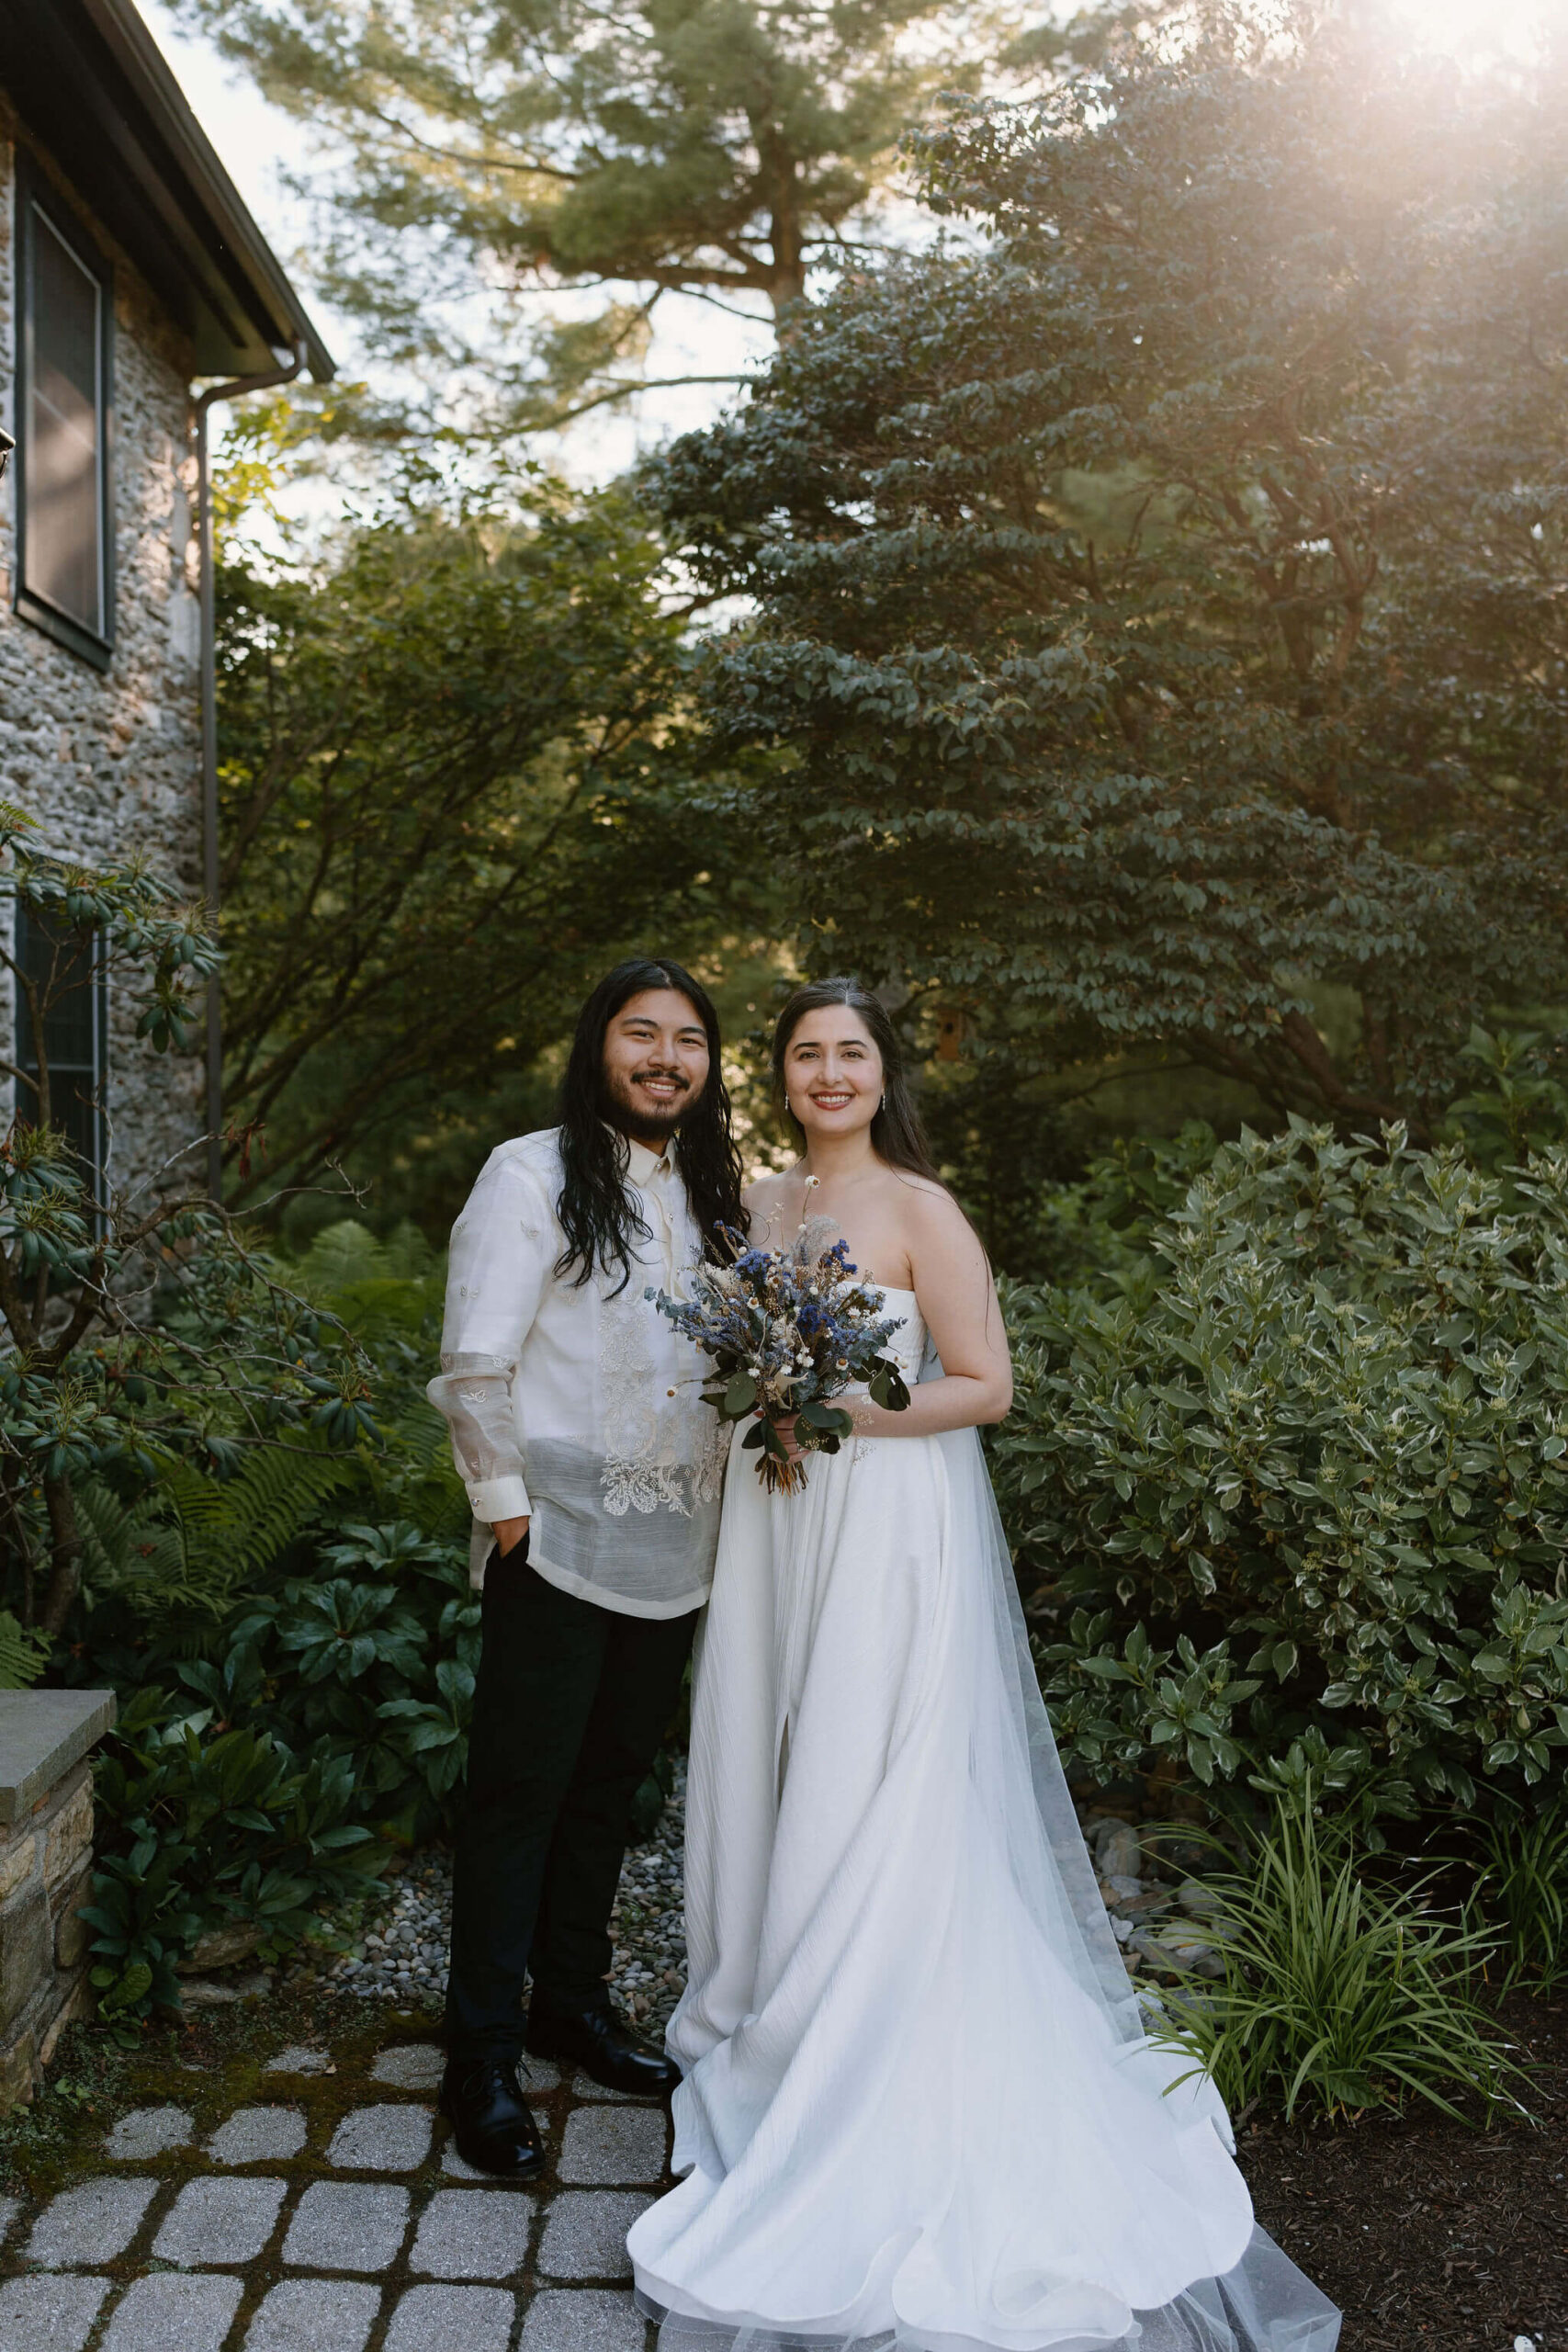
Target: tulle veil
{"x":1037,"y":1857}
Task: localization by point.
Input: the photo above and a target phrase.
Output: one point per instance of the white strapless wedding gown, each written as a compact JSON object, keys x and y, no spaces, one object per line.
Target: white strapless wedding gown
{"x":918,"y":2109}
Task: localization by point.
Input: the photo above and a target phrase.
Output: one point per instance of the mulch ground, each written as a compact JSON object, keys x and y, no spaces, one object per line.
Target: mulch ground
{"x":1432,"y":2237}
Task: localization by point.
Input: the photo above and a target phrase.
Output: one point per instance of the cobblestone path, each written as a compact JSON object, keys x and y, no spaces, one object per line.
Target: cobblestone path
{"x":331,"y":2214}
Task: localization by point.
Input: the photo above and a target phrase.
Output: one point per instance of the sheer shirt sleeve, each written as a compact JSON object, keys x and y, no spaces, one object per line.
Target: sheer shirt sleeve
{"x":503,"y":1247}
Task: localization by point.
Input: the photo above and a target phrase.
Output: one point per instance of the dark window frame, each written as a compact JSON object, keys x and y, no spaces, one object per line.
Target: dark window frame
{"x":63,"y":1069}
{"x":35,"y":194}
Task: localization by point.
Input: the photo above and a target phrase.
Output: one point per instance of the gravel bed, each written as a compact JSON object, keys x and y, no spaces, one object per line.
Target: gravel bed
{"x":401,"y":1953}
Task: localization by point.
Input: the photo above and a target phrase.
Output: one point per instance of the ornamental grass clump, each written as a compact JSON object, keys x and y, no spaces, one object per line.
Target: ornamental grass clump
{"x":1339,"y":1995}
{"x":1522,"y":1893}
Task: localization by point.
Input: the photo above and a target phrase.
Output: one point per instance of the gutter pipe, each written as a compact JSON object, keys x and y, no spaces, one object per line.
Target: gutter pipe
{"x":210,"y":867}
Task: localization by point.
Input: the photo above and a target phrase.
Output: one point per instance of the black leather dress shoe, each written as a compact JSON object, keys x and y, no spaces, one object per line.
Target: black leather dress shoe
{"x":596,"y":2041}
{"x":491,"y":2121}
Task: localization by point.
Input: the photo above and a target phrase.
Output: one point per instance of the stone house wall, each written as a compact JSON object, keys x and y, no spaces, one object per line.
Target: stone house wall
{"x":46,"y":1864}
{"x":111,"y":763}
{"x":45,"y":1878}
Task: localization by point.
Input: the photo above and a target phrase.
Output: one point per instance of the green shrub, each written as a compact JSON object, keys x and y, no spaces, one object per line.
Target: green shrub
{"x":138,"y":1334}
{"x":196,"y":1832}
{"x":293,"y":1634}
{"x":1299,"y":1478}
{"x":1337,"y":1995}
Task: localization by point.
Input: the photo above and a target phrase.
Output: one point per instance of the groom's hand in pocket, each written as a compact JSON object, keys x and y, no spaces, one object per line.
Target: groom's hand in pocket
{"x":509,"y":1533}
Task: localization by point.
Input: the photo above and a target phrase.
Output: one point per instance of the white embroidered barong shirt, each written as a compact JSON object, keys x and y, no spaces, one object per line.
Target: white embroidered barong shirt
{"x":579,"y":1405}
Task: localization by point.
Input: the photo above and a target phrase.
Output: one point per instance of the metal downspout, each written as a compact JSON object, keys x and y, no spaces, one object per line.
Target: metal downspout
{"x":210,"y":869}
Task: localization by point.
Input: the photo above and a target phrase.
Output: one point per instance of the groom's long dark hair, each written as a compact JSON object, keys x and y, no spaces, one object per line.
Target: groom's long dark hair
{"x":596,"y":1216}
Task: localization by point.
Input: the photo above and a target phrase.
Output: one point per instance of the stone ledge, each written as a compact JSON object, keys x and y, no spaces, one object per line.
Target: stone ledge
{"x":42,"y":1734}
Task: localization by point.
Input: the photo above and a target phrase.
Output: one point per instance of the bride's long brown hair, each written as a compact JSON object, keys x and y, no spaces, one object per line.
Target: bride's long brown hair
{"x":897,"y":1135}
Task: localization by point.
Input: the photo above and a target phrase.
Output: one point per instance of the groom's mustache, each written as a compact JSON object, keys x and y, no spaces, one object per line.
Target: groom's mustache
{"x":678,"y":1084}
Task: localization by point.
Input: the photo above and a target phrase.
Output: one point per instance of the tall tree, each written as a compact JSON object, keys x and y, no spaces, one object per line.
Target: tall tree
{"x":1164,"y":607}
{"x":713,"y":147}
{"x":456,"y":776}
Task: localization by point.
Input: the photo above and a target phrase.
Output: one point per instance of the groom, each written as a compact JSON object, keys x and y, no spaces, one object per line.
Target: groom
{"x":592,"y":1470}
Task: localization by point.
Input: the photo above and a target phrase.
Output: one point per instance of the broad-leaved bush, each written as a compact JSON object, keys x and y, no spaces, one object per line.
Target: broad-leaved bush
{"x":1297,"y":1479}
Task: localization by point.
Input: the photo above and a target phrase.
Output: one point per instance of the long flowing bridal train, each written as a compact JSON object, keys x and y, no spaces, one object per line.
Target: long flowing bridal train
{"x":919,"y":2108}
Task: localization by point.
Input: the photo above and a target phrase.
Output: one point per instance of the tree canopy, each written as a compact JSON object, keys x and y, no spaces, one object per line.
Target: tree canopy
{"x":1162,"y":607}
{"x":716,"y":147}
{"x":456,"y":778}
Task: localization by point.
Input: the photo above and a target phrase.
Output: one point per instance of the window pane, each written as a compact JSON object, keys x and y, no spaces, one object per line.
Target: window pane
{"x":61,"y":970}
{"x":63,"y":441}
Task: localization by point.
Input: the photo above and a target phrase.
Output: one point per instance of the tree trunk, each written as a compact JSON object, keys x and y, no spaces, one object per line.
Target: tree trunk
{"x":65,"y":1554}
{"x":787,"y":276}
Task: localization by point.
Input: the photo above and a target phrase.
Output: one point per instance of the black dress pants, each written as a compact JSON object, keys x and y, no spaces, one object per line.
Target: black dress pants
{"x":570,"y":1704}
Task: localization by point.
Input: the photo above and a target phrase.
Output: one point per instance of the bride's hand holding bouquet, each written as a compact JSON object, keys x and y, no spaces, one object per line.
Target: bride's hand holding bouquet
{"x":788,"y":1330}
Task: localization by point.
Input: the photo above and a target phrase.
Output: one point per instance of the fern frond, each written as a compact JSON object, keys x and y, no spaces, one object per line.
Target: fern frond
{"x":137,"y":1553}
{"x":103,"y":1522}
{"x":23,"y":1654}
{"x":197,"y":1498}
{"x":267,"y":1504}
{"x":421,"y":1439}
{"x":341,"y":1253}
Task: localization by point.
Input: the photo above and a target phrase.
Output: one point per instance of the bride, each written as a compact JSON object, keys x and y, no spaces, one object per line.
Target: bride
{"x":917,"y":2109}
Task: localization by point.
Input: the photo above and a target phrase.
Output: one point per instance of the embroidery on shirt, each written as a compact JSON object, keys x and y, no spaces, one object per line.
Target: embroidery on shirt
{"x":659,"y":1451}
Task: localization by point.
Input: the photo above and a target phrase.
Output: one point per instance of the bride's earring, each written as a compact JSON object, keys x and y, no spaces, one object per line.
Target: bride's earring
{"x":882,"y":1104}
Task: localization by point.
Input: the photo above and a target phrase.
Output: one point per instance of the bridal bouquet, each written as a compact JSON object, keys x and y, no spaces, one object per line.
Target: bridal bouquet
{"x":788,"y":1330}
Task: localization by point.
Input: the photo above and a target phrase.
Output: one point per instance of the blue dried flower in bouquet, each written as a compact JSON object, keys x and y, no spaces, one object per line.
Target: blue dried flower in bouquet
{"x":787,"y":1330}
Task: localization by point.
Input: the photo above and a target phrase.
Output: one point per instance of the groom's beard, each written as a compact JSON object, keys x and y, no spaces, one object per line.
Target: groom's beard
{"x":628,"y":1107}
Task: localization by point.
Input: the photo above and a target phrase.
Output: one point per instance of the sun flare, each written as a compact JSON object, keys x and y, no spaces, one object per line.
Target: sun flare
{"x":1465,"y":29}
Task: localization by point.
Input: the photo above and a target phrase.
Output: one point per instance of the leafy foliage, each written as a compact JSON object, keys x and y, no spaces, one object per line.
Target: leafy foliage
{"x":1300,"y":1476}
{"x":1160,"y":596}
{"x":196,"y":1834}
{"x":1522,"y":1893}
{"x":23,"y":1654}
{"x":134,"y":1334}
{"x":721,"y":148}
{"x":1338,"y":1995}
{"x":296,"y":1659}
{"x":190,"y":1543}
{"x":456,"y":780}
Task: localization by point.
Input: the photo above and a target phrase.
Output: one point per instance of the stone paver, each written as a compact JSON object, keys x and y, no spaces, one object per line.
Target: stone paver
{"x":258,"y":2135}
{"x":216,"y":2221}
{"x":92,"y":2224}
{"x":346,"y":2225}
{"x":332,"y":2212}
{"x":416,"y":2066}
{"x":585,"y":2234}
{"x":149,"y":2132}
{"x":163,"y":2311}
{"x":300,"y":2059}
{"x":382,"y":2138}
{"x":472,"y":2233}
{"x":582,"y":2319}
{"x":584,"y":2086}
{"x":451,"y":2319}
{"x":315,"y":2315}
{"x":53,"y":2313}
{"x":620,"y":2146}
